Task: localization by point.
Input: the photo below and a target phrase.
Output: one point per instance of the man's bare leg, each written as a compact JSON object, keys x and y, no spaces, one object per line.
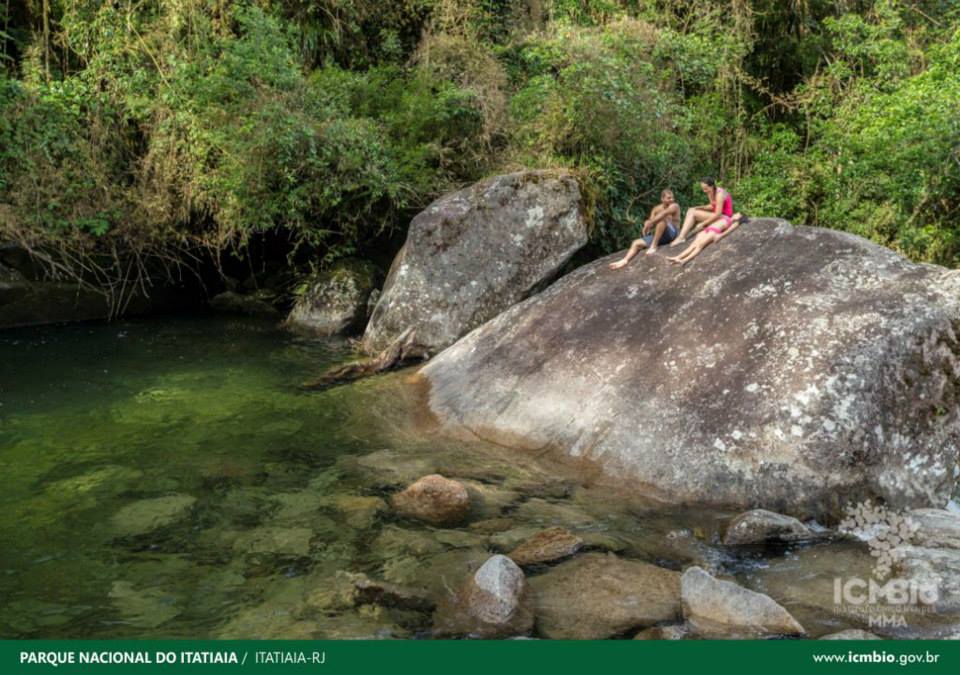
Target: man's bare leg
{"x":634,"y":250}
{"x":657,"y":233}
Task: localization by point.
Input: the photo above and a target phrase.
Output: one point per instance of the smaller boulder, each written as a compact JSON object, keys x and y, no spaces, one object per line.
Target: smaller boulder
{"x":546,"y":546}
{"x":493,"y":603}
{"x":759,"y":526}
{"x":717,"y":609}
{"x":335,"y":301}
{"x":492,"y":525}
{"x":596,"y":596}
{"x":433,"y":499}
{"x":670,"y":632}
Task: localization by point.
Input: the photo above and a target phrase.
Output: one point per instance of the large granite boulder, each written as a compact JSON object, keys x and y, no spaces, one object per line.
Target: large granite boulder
{"x":473,"y":253}
{"x":790,"y":368}
{"x":334,"y":301}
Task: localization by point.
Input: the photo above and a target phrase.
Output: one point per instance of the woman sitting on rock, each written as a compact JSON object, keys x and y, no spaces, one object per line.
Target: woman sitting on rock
{"x":717,"y":220}
{"x":661,"y":221}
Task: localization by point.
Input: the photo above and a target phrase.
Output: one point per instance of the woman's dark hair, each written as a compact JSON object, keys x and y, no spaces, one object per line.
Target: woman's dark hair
{"x":709,"y":181}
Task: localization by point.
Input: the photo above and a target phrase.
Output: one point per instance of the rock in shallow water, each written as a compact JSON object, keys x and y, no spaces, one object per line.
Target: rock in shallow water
{"x":275,"y":541}
{"x":715,"y":608}
{"x":772,"y":371}
{"x":473,"y":253}
{"x":546,"y":546}
{"x":596,"y":596}
{"x":433,"y":499}
{"x":758,"y":526}
{"x":148,"y":515}
{"x":492,"y":604}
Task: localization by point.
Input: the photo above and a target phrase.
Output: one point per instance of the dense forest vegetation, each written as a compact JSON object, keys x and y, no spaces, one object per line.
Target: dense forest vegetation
{"x":139,"y":134}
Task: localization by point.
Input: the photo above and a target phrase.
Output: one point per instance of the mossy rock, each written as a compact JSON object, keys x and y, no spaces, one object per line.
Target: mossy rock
{"x":335,"y":301}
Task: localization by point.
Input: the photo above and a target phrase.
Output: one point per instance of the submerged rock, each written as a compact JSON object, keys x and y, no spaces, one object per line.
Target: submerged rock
{"x":492,"y":525}
{"x":473,"y":253}
{"x":772,"y":372}
{"x":804,"y":582}
{"x":851,"y":634}
{"x":546,"y":546}
{"x":554,"y":513}
{"x":373,"y":591}
{"x":275,"y":541}
{"x":596,"y":596}
{"x":260,"y":303}
{"x":358,"y":511}
{"x":437,"y":573}
{"x":345,"y":590}
{"x":143,"y":607}
{"x":509,"y":539}
{"x":492,"y":604}
{"x":334,"y":302}
{"x":433,"y":499}
{"x":487,"y":500}
{"x":147,"y":515}
{"x":715,"y":608}
{"x":758,"y":526}
{"x":396,"y":541}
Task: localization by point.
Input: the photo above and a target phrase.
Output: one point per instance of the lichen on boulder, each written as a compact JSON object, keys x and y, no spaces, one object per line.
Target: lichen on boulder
{"x":788,"y":368}
{"x":473,"y":253}
{"x":335,"y":301}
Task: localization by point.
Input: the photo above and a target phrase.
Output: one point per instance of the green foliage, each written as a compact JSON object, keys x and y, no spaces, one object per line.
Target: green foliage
{"x":151,"y":129}
{"x":603,"y":101}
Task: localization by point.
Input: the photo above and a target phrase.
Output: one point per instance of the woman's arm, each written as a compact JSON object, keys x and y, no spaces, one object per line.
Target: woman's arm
{"x":718,"y":198}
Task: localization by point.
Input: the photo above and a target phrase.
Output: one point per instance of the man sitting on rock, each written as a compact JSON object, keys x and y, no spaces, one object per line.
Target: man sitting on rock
{"x":662,"y":221}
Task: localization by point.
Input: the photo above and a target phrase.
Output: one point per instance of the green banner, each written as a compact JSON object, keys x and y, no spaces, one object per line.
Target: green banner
{"x":467,"y":657}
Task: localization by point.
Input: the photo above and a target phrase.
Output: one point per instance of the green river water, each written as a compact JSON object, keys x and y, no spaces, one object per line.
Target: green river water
{"x":170,"y":478}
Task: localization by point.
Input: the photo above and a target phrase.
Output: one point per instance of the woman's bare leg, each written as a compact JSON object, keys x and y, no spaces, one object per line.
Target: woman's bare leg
{"x":634,"y":250}
{"x":703,"y":240}
{"x":693,"y":216}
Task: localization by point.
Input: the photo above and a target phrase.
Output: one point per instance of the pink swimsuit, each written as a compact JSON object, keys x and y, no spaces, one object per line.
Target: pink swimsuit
{"x":725,"y":217}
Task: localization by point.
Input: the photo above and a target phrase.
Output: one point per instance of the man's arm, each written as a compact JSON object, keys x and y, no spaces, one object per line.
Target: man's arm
{"x":656,"y":214}
{"x":659,"y":214}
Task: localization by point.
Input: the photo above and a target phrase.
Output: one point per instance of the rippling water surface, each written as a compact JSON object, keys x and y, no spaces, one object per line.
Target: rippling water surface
{"x":169,"y":478}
